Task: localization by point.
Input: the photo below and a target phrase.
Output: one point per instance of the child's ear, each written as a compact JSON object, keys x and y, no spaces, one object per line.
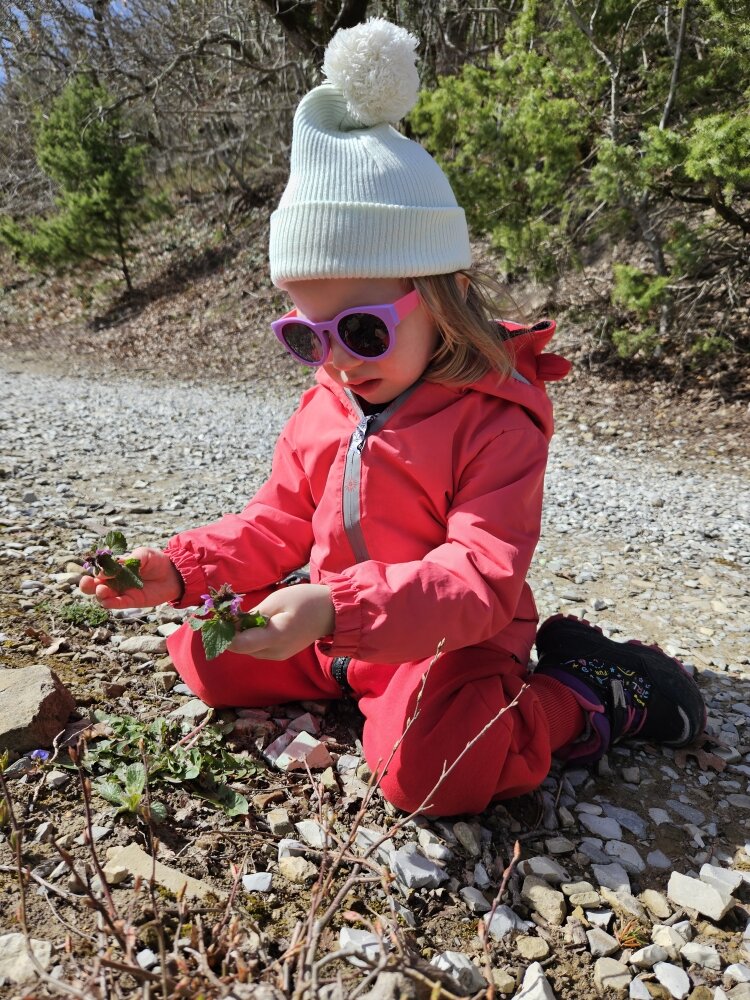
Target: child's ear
{"x":463,"y":281}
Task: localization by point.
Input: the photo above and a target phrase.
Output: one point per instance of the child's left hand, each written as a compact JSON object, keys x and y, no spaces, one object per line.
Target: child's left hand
{"x":298,"y":615}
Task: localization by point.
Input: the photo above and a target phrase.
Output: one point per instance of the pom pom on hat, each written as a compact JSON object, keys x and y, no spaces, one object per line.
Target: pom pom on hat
{"x":373,"y":65}
{"x":363,"y":200}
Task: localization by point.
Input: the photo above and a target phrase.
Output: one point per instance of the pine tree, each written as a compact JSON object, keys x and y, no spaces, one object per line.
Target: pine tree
{"x":101,"y":199}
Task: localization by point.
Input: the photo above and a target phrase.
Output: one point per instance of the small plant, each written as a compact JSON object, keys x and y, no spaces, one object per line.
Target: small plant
{"x":631,"y":935}
{"x":160,"y":752}
{"x":126,"y":789}
{"x":225,"y":619}
{"x":106,"y":560}
{"x":84,"y":614}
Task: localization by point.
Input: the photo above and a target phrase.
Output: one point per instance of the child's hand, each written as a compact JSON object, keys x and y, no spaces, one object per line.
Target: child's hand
{"x":297,"y":617}
{"x":161,"y":583}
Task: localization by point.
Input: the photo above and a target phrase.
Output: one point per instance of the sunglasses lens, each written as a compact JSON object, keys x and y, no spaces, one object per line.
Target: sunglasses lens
{"x":301,"y":340}
{"x":364,"y":334}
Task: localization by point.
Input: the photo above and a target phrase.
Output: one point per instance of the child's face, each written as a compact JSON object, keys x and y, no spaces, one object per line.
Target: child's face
{"x":376,"y":380}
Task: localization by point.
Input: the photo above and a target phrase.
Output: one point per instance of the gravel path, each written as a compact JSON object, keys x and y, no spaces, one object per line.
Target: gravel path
{"x":645,"y":535}
{"x":642,"y":541}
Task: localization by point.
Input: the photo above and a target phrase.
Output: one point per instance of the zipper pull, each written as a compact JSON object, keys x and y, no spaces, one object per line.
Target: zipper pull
{"x":360,"y":432}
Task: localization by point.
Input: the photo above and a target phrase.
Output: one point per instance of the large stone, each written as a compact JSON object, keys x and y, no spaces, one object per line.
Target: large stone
{"x":609,"y":974}
{"x":713,"y":901}
{"x":138,"y":862}
{"x":151,"y":644}
{"x":535,"y":985}
{"x":547,"y":902}
{"x":415,"y":871}
{"x":15,"y":964}
{"x":673,"y":978}
{"x":504,"y":921}
{"x":34,"y":708}
{"x":463,"y":970}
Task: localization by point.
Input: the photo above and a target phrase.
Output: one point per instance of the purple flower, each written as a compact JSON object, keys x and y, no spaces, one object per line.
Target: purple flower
{"x":40,"y":755}
{"x":208,"y":604}
{"x":87,"y":566}
{"x":234,"y":607}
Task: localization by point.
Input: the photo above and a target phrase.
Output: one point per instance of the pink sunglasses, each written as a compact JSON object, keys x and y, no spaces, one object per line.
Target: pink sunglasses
{"x":367,"y":332}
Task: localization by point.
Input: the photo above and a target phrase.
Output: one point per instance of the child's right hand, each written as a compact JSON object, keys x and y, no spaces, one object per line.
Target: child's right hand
{"x":161,"y":583}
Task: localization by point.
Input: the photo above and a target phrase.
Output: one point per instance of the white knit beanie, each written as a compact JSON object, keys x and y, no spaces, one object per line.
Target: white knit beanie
{"x":362,"y":200}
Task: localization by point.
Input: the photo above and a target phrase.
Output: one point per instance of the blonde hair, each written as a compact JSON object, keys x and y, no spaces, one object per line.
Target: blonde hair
{"x":471,"y":341}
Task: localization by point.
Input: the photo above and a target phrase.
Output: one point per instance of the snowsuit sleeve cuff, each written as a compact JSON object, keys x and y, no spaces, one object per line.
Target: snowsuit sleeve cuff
{"x":193,"y":578}
{"x":347,"y":630}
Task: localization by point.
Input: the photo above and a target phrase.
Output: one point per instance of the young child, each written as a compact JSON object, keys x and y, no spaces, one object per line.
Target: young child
{"x":410,"y":479}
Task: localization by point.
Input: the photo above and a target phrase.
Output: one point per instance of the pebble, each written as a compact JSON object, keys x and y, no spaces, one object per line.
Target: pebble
{"x":463,"y":970}
{"x":474,"y":899}
{"x":701,"y":954}
{"x":601,"y":943}
{"x":532,"y":949}
{"x":547,"y":902}
{"x":257,"y":882}
{"x":535,"y":985}
{"x":711,"y":900}
{"x":609,"y":974}
{"x":612,"y":876}
{"x":673,"y":978}
{"x":415,"y":871}
{"x":504,"y":920}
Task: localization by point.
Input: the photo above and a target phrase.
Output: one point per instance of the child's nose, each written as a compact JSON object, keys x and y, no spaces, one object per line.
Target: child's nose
{"x":341,"y":359}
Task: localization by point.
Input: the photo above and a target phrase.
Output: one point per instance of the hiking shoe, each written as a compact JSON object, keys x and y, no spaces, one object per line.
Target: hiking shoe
{"x":627,"y":689}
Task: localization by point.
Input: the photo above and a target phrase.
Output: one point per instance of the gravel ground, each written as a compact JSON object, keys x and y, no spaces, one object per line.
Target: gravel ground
{"x":645,"y":533}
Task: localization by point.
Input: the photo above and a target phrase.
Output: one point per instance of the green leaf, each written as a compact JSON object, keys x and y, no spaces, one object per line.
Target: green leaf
{"x":110,"y":790}
{"x":225,"y":798}
{"x":252,"y":619}
{"x":195,"y":623}
{"x":135,"y":778}
{"x":158,"y":812}
{"x":217,"y":635}
{"x":126,"y":578}
{"x":115,"y":540}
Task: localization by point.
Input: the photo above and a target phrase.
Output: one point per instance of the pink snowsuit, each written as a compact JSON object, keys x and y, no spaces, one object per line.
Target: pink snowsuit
{"x":422,"y":520}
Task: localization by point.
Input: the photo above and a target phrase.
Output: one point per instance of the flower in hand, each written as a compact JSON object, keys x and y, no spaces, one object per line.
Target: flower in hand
{"x":105,"y":559}
{"x":224,"y":618}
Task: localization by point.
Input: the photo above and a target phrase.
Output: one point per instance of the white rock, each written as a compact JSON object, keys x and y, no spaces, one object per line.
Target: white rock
{"x":257,"y":882}
{"x":15,"y":964}
{"x":673,"y":978}
{"x":738,"y":972}
{"x":722,"y":877}
{"x":535,"y":985}
{"x":505,"y":920}
{"x":463,"y":970}
{"x":366,"y":837}
{"x":638,"y":991}
{"x":364,"y":942}
{"x":312,"y":833}
{"x":147,"y":958}
{"x":304,"y":751}
{"x":288,"y":848}
{"x":710,"y":900}
{"x":415,"y":871}
{"x":669,"y":939}
{"x":646,"y":958}
{"x":701,"y":954}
